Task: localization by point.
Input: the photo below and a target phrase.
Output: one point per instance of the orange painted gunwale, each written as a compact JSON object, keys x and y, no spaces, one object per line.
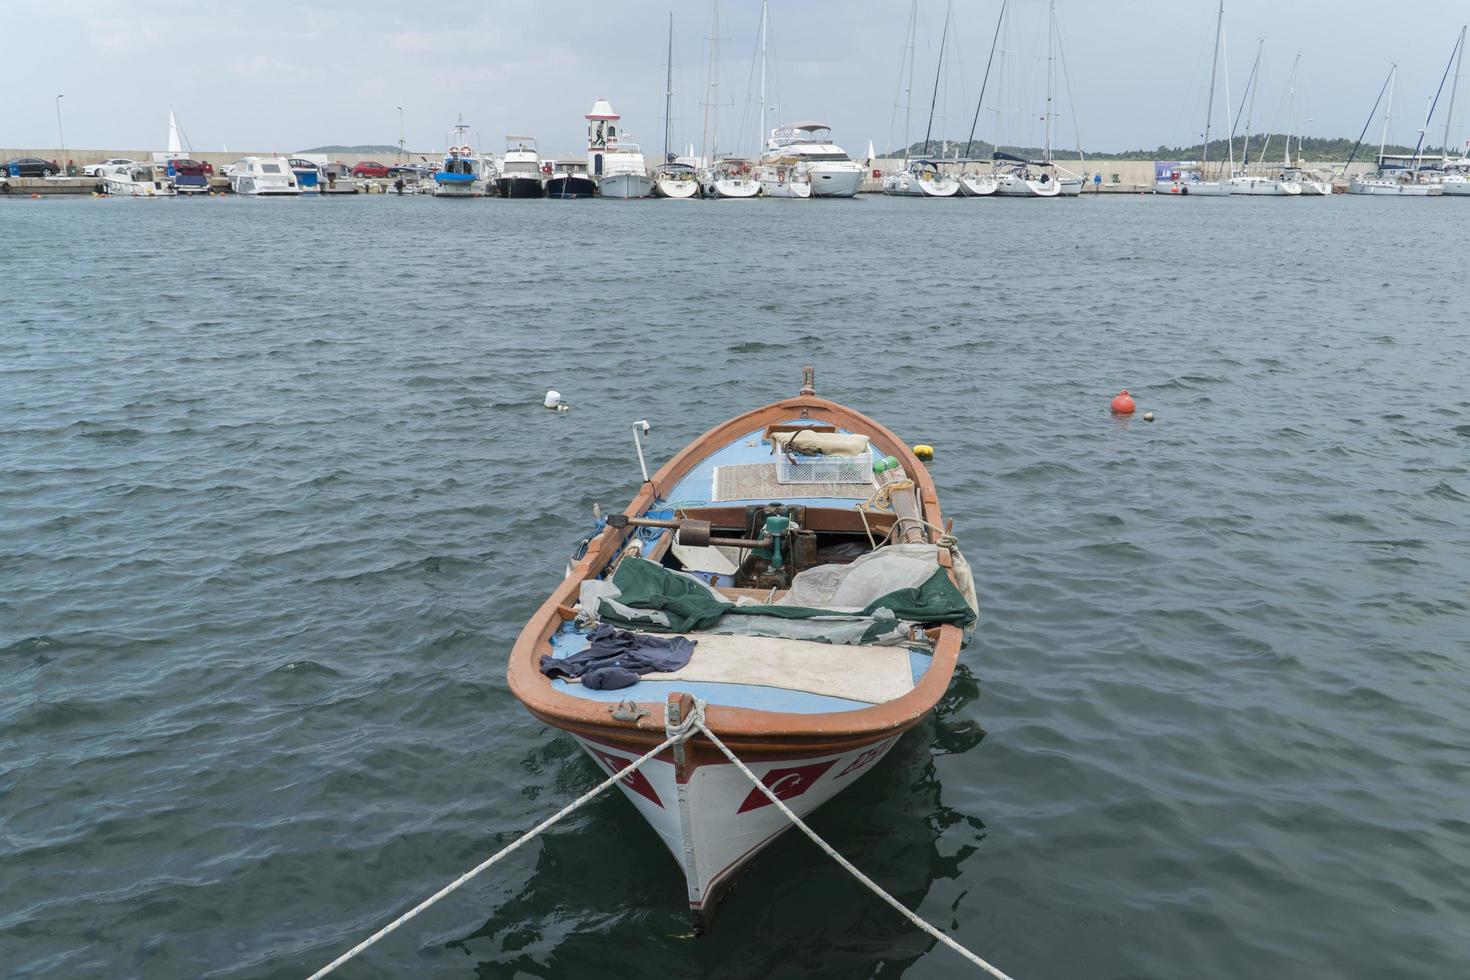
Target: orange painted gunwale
{"x":743,"y":729}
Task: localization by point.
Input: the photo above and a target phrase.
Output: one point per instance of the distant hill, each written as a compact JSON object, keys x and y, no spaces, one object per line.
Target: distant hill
{"x":1312,"y":148}
{"x":366,"y":148}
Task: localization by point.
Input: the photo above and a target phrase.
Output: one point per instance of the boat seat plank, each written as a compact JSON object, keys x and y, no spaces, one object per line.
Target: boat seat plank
{"x":871,"y":674}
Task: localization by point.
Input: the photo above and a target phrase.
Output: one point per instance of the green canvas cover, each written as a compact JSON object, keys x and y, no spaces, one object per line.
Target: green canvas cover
{"x":690,"y":605}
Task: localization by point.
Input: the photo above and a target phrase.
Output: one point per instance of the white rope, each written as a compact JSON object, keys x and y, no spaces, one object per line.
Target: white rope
{"x":676,"y":734}
{"x":926,"y":927}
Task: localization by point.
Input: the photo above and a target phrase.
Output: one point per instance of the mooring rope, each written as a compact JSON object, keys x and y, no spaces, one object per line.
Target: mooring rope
{"x":846,"y":864}
{"x":676,"y":734}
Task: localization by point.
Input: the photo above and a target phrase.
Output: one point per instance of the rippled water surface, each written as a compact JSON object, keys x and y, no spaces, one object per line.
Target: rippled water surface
{"x":276,"y":495}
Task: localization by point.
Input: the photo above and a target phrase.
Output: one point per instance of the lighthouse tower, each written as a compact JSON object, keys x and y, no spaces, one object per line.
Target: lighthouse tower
{"x":602,"y":134}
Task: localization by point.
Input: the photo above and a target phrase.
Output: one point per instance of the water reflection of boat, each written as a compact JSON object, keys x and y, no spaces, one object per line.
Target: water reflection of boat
{"x":853,"y":641}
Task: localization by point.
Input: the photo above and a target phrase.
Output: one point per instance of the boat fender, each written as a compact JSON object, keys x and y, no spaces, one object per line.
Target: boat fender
{"x":553,"y":401}
{"x":924,"y":452}
{"x":1123,"y":403}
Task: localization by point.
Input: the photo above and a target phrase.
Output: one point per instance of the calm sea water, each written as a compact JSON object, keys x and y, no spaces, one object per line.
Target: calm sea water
{"x":276,"y":496}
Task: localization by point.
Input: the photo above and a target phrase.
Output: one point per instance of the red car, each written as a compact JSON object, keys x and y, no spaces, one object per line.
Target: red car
{"x":368,"y":168}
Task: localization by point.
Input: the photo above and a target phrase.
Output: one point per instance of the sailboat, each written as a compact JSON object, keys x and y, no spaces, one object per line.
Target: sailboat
{"x":1309,"y":183}
{"x":1019,"y":176}
{"x":923,"y":177}
{"x":671,"y":179}
{"x":721,"y":177}
{"x":1456,"y":173}
{"x":1185,"y":179}
{"x":1435,"y":176}
{"x":780,"y":174}
{"x":1244,"y":182}
{"x":978,"y":183}
{"x":1382,"y":183}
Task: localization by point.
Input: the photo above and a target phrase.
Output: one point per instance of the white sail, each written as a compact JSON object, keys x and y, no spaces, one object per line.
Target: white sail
{"x":174,"y":146}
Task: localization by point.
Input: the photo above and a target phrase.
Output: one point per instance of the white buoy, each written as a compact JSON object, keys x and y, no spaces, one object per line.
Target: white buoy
{"x":552,"y":400}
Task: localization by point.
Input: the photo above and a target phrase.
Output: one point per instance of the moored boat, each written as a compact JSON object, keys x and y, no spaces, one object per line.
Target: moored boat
{"x":974,"y":183}
{"x":920,"y":178}
{"x":730,"y":177}
{"x":783,"y":177}
{"x":789,"y":571}
{"x":676,"y":180}
{"x":263,"y":177}
{"x":520,"y":169}
{"x":569,"y":179}
{"x":189,"y":176}
{"x":136,"y":180}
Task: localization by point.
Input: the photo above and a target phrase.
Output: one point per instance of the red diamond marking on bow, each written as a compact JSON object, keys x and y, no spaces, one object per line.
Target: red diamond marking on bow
{"x":786,"y":784}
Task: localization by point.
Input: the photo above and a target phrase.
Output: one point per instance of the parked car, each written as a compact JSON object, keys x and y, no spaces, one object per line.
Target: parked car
{"x":96,"y":169}
{"x":31,"y":167}
{"x":408,"y":170}
{"x":369,"y":168}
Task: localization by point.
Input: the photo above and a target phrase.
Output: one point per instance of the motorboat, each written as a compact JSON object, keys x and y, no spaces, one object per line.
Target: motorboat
{"x":828,"y":168}
{"x":730,"y":177}
{"x":520,"y":169}
{"x":189,"y":176}
{"x":1455,"y":184}
{"x":676,"y":180}
{"x":921,"y":178}
{"x":786,"y":581}
{"x":569,"y":179}
{"x":1256,"y":185}
{"x":263,"y":177}
{"x":1018,"y":177}
{"x":783,"y":177}
{"x":336,"y":178}
{"x":136,"y":180}
{"x":624,"y":174}
{"x":462,"y":174}
{"x":975,"y":183}
{"x":308,"y":174}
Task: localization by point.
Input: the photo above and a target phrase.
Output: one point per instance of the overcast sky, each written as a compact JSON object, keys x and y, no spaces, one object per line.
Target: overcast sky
{"x":275,"y":76}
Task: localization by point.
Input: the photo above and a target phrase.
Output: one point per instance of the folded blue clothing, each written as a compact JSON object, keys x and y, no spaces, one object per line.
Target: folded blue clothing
{"x":615,"y":658}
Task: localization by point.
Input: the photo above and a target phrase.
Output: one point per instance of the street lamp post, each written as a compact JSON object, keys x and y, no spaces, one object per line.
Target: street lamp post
{"x":60,"y":135}
{"x":400,"y":135}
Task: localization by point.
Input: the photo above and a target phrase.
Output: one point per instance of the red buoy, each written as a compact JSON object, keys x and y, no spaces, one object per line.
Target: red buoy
{"x":1123,"y":403}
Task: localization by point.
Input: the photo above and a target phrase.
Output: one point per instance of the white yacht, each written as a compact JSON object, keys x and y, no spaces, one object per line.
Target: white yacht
{"x":783,"y":177}
{"x":1381,"y":184}
{"x":1255,"y":185}
{"x":1018,"y":177}
{"x":135,"y":180}
{"x":921,"y":178}
{"x":730,"y":177}
{"x":828,"y":168}
{"x":624,"y":174}
{"x":1310,"y":183}
{"x":676,"y":180}
{"x":520,"y":169}
{"x":336,"y":178}
{"x":978,"y":184}
{"x":1455,"y":184}
{"x":263,"y":177}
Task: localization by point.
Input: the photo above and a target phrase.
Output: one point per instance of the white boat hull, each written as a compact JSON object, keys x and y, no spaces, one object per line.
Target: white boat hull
{"x":473,"y":188}
{"x":731,"y":187}
{"x":117,"y":187}
{"x":905,"y":184}
{"x":780,"y":187}
{"x":676,"y":189}
{"x":1455,"y":188}
{"x":978,"y":185}
{"x":1392,"y":188}
{"x":1071,"y":186}
{"x":1314,"y":188}
{"x":252,"y":187}
{"x":715,"y":820}
{"x":1263,"y":187}
{"x":625,"y":186}
{"x":1013,"y":185}
{"x":834,"y":181}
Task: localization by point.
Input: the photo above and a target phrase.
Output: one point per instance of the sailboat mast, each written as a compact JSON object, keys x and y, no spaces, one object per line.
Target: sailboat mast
{"x":1450,"y":116}
{"x":1387,"y":114}
{"x":714,"y":130}
{"x":1230,"y":143}
{"x":938,"y":67}
{"x":908,"y":99}
{"x":760,"y":130}
{"x":1051,"y":71}
{"x":1428,"y":116}
{"x":1251,"y":86}
{"x":669,"y":92}
{"x":711,"y":79}
{"x":986,"y":80}
{"x":1214,"y":70}
{"x":1291,"y":112}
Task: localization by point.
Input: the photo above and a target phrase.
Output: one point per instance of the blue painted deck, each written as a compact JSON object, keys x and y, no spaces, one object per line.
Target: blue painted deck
{"x":565,"y":643}
{"x":695,"y":488}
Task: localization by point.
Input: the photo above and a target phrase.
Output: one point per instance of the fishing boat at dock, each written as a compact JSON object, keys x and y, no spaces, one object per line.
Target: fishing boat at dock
{"x":788,"y":575}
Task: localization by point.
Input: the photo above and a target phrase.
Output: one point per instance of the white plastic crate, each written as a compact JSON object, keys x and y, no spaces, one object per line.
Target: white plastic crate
{"x":802,"y":468}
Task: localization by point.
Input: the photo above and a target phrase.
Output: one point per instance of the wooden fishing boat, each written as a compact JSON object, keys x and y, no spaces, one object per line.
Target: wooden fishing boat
{"x":800,"y":546}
